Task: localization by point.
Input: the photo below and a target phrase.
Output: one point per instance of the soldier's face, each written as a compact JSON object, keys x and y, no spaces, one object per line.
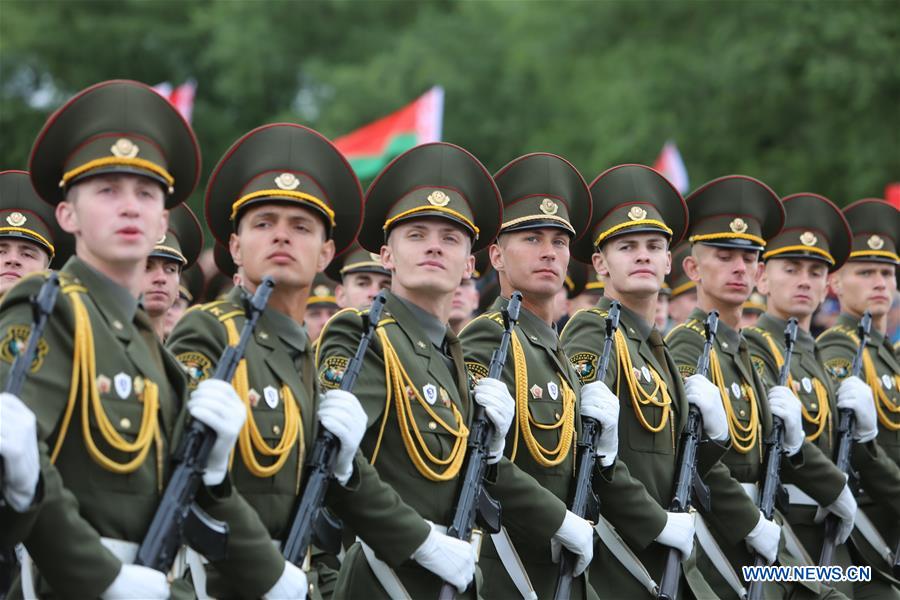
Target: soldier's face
{"x":681,"y":306}
{"x":862,"y":286}
{"x":359,"y":289}
{"x":533,"y":261}
{"x":284,"y":241}
{"x":465,"y":302}
{"x":315,"y":320}
{"x":116,"y":219}
{"x":160,"y":289}
{"x":174,"y":314}
{"x":19,"y":258}
{"x":430,"y":256}
{"x":725,"y":274}
{"x":634,"y":264}
{"x":795,"y":288}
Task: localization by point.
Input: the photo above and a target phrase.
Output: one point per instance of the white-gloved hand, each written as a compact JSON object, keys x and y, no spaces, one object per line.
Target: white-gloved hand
{"x":786,"y":405}
{"x":678,"y":533}
{"x":577,"y":536}
{"x":19,"y":452}
{"x":341,"y":413}
{"x":702,"y":393}
{"x":291,"y":585}
{"x":763,"y":539}
{"x":599,"y":403}
{"x":215,"y":404}
{"x":500,"y":408}
{"x":854,"y":394}
{"x":137,"y":582}
{"x":844,"y":508}
{"x":450,"y":559}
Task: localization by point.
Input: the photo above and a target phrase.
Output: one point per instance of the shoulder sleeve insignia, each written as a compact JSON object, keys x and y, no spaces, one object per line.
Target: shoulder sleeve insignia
{"x":759,"y":364}
{"x":838,"y":368}
{"x":476,"y":370}
{"x":15,"y":341}
{"x":331,"y":372}
{"x":585,"y":364}
{"x":687,"y":370}
{"x":197,"y":366}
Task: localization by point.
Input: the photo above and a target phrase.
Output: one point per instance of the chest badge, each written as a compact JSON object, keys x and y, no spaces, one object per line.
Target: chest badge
{"x":886,"y":381}
{"x":646,"y":373}
{"x":537,"y":392}
{"x":807,"y":385}
{"x":270,"y":395}
{"x":430,"y":392}
{"x":103,"y":384}
{"x":122,"y":383}
{"x":735,"y":390}
{"x":553,"y":390}
{"x":253,"y":397}
{"x":445,"y":398}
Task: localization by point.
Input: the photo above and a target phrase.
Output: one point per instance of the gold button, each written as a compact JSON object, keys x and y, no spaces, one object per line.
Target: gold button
{"x":125,"y":423}
{"x":432,"y":425}
{"x":813,"y":405}
{"x":276,"y":429}
{"x":743,"y":412}
{"x":556,"y":415}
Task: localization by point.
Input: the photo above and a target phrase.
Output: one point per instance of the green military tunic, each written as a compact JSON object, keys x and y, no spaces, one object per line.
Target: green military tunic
{"x":415,"y":391}
{"x":279,"y":387}
{"x":749,"y":424}
{"x":125,"y":372}
{"x":652,"y":415}
{"x":878,"y":474}
{"x":541,"y":441}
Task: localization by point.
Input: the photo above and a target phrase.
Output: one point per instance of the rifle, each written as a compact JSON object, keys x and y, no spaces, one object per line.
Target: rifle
{"x":41,"y":308}
{"x":178,"y":519}
{"x":773,"y":492}
{"x":474,"y":504}
{"x":585,"y":503}
{"x":846,"y":426}
{"x":688,"y":483}
{"x":320,"y":468}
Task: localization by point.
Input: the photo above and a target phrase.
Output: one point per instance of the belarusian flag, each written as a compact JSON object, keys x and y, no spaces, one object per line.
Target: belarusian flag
{"x":181,"y":97}
{"x":669,"y":163}
{"x":373,"y":146}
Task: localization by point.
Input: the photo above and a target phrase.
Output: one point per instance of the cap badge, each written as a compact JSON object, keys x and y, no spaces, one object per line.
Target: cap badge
{"x":808,"y":238}
{"x":637,"y":213}
{"x":875,"y":242}
{"x":124,"y":148}
{"x":549,"y":207}
{"x":287,"y":181}
{"x":16,"y":219}
{"x":321,"y":290}
{"x":438,"y":198}
{"x":738,"y":225}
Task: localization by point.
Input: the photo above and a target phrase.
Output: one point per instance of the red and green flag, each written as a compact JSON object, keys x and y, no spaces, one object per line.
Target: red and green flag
{"x":373,"y":146}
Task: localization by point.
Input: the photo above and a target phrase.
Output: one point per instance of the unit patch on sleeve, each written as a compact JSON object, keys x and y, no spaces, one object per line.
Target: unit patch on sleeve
{"x":16,"y":340}
{"x":687,"y":370}
{"x":476,"y":370}
{"x":839,"y":368}
{"x":332,"y":372}
{"x":197,"y":366}
{"x":585,"y":364}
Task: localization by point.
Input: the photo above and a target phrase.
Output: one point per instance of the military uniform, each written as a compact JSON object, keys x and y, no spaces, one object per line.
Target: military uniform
{"x":355,"y":259}
{"x":413,"y":384}
{"x":110,"y":418}
{"x":740,"y":212}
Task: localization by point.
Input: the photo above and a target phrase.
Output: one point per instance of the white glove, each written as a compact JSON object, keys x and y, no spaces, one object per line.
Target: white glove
{"x":678,"y":533}
{"x":292,"y":584}
{"x":763,"y":539}
{"x":786,"y":405}
{"x":341,"y":413}
{"x":215,"y":404}
{"x":702,"y":393}
{"x":19,"y":451}
{"x":577,"y":536}
{"x":500,"y":408}
{"x":844,"y":508}
{"x":450,"y":559}
{"x":854,"y":394}
{"x":600,"y":404}
{"x":134,"y":581}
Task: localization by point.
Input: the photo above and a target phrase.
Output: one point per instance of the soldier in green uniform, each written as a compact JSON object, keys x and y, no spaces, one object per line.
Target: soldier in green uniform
{"x":320,"y":306}
{"x":174,"y":252}
{"x":426,"y":213}
{"x":867,"y":281}
{"x":683,"y":298}
{"x":731,"y":219}
{"x":543,"y":196}
{"x":190,"y":289}
{"x":361,"y":277}
{"x":113,"y":160}
{"x":636,"y":215}
{"x":794,"y":278}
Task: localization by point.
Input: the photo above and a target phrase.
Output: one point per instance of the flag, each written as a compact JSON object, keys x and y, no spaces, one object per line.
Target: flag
{"x":373,"y":146}
{"x":892,"y":194}
{"x":669,"y":163}
{"x":181,"y":97}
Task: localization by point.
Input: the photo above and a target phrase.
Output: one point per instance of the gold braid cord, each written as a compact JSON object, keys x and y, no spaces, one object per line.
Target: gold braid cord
{"x":883,"y":404}
{"x":398,"y":381}
{"x":743,"y":438}
{"x":545,"y":457}
{"x":639,"y":397}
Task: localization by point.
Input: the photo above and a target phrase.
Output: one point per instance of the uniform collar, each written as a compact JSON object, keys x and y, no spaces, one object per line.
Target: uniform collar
{"x":273,"y":322}
{"x":533,"y":326}
{"x":116,"y":301}
{"x":726,"y":337}
{"x":876,"y":338}
{"x":775,"y":326}
{"x":431,"y":326}
{"x":630,"y":321}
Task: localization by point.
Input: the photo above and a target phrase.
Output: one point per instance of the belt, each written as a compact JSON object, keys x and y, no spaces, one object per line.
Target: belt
{"x":619,"y":549}
{"x":752,"y":490}
{"x":196,"y":564}
{"x":513,"y":564}
{"x":717,"y":557}
{"x":798,"y":496}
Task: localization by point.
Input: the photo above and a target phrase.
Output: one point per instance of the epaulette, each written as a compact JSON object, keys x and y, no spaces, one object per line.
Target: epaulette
{"x":692,"y":325}
{"x":839,"y":330}
{"x":598,"y":311}
{"x":223,"y":310}
{"x":495,"y":316}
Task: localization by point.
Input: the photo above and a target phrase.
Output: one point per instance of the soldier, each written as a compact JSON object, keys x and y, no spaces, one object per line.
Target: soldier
{"x":543,"y":196}
{"x":190,"y":290}
{"x":587,"y":288}
{"x":731,"y":219}
{"x":683,"y":297}
{"x":636,"y":215}
{"x":794,"y":279}
{"x":113,"y":160}
{"x":752,"y":309}
{"x":320,"y":306}
{"x":867,"y":281}
{"x":426,"y":213}
{"x":176,"y":251}
{"x":661,"y":319}
{"x":361,"y":277}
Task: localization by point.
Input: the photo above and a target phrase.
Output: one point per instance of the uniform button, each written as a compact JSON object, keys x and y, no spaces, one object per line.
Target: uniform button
{"x":117,"y":324}
{"x":276,"y":429}
{"x":812,"y":405}
{"x":725,"y":344}
{"x":432,"y":425}
{"x":743,"y":412}
{"x":534,"y":338}
{"x":125,"y":423}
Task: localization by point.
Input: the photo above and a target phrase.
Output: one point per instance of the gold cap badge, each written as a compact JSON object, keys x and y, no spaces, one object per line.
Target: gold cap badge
{"x":287,"y":181}
{"x":16,"y":219}
{"x":637,"y":213}
{"x":438,"y":198}
{"x":549,"y":207}
{"x":875,"y":242}
{"x":738,"y":225}
{"x":808,"y":238}
{"x":124,"y":148}
{"x":321,"y":290}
